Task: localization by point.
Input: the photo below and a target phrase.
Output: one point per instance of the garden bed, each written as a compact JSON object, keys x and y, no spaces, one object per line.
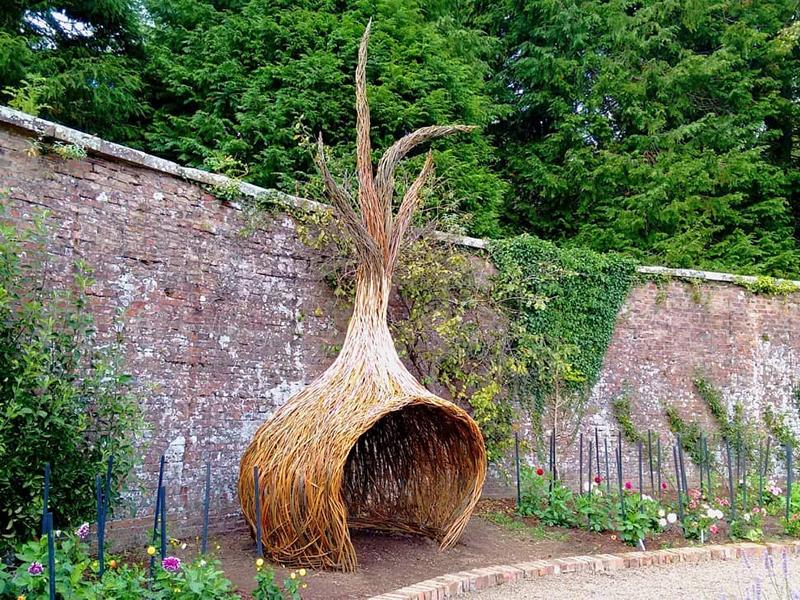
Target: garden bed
{"x":495,"y":535}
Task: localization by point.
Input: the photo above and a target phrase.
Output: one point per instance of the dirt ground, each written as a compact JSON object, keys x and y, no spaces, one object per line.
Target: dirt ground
{"x":388,"y":562}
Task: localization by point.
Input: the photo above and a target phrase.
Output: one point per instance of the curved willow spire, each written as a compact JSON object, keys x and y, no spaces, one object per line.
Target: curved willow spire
{"x":365,"y":445}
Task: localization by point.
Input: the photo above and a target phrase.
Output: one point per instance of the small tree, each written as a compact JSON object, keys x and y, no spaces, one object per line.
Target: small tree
{"x":64,"y":399}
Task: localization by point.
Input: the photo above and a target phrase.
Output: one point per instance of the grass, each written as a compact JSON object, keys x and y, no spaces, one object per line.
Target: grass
{"x":520,"y":527}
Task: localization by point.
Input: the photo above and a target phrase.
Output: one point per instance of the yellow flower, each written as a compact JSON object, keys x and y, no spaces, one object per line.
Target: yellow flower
{"x":22,"y":597}
{"x":177,"y":590}
{"x":260,"y":562}
{"x":216,"y":546}
{"x":151,"y":550}
{"x":293,"y":575}
{"x":304,"y":586}
{"x":173,"y":542}
{"x":112,"y":563}
{"x":302,"y":572}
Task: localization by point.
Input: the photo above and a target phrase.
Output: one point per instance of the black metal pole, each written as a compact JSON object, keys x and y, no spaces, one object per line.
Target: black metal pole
{"x":700,"y":462}
{"x":157,"y":511}
{"x":591,"y":448}
{"x":580,"y":464}
{"x":760,"y":473}
{"x":46,"y":498}
{"x":597,"y":451}
{"x":744,"y":481}
{"x":682,"y":473}
{"x":707,"y":456}
{"x":788,"y":480}
{"x":98,"y":484}
{"x":206,"y":501}
{"x":731,"y":491}
{"x":619,"y":476}
{"x":608,"y":472}
{"x":516,"y":464}
{"x":678,"y":482}
{"x":658,"y":466}
{"x":650,"y":461}
{"x":641,"y":470}
{"x":163,"y":522}
{"x":51,"y":556}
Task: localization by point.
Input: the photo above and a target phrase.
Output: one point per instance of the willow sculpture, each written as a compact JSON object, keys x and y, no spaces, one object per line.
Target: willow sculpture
{"x":365,"y":445}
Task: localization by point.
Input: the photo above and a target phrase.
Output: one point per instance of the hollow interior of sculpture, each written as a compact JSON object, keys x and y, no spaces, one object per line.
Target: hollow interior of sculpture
{"x":413,"y":471}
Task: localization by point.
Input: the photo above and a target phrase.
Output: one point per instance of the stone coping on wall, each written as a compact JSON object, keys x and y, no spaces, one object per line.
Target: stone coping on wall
{"x":48,"y":130}
{"x":475,"y":580}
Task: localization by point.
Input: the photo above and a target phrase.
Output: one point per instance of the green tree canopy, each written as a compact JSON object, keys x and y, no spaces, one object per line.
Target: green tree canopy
{"x":77,"y":62}
{"x":248,"y":80}
{"x":659,"y":128}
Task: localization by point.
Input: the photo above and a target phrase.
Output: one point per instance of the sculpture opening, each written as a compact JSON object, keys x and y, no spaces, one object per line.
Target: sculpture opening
{"x":365,"y":444}
{"x":405,"y":459}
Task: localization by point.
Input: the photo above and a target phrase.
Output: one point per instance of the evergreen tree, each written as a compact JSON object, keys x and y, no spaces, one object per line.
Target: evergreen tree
{"x":666,"y":129}
{"x":243,"y":82}
{"x":77,"y":62}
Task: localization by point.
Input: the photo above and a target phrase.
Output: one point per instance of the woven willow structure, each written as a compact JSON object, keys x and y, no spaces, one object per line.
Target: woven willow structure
{"x":365,"y":445}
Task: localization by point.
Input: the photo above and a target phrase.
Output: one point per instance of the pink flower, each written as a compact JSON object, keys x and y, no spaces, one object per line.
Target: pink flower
{"x":628,"y":485}
{"x":35,"y":568}
{"x":695,"y":493}
{"x":598,"y":479}
{"x":82,"y":531}
{"x":172,"y":564}
{"x":663,"y":485}
{"x":540,"y":471}
{"x":713,"y":529}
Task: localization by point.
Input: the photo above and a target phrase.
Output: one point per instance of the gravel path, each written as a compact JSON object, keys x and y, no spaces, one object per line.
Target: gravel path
{"x":731,"y":579}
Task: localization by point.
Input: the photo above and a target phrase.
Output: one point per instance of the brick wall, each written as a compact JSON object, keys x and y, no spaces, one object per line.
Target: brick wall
{"x":221,"y":328}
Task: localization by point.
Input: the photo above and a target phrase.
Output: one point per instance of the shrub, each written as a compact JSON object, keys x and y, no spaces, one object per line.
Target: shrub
{"x":77,"y":576}
{"x":64,"y":398}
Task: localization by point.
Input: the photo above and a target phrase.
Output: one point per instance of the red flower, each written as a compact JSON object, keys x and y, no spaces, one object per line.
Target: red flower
{"x":663,"y":485}
{"x":540,"y":471}
{"x":628,"y":485}
{"x":597,"y":479}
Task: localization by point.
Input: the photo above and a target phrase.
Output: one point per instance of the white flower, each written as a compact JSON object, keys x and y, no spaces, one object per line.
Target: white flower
{"x":646,"y":497}
{"x":57,"y":532}
{"x":585,"y":487}
{"x":662,"y":522}
{"x":203,"y":563}
{"x":662,"y":513}
{"x":720,"y":514}
{"x":672,"y":517}
{"x":183,"y":546}
{"x":746,"y":516}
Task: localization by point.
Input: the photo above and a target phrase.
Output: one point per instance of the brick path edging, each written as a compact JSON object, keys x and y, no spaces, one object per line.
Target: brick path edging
{"x":455,"y":584}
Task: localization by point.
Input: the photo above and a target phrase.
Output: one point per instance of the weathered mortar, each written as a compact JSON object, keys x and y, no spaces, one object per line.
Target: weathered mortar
{"x":223,"y":328}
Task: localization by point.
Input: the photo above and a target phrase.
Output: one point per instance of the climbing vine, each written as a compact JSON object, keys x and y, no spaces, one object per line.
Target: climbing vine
{"x":562,"y":304}
{"x":621,"y":407}
{"x":689,"y":431}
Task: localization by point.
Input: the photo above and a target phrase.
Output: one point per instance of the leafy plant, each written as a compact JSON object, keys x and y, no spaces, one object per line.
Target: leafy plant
{"x":639,"y":520}
{"x":64,"y":396}
{"x":596,"y":510}
{"x":621,"y":407}
{"x":749,"y":525}
{"x":268,"y":589}
{"x":77,"y":575}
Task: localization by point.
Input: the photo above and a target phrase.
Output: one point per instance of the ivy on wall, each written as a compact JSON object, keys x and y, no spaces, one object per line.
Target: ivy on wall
{"x":563,"y":304}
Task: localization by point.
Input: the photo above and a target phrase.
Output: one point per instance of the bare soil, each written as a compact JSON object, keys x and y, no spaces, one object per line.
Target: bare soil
{"x":388,"y":562}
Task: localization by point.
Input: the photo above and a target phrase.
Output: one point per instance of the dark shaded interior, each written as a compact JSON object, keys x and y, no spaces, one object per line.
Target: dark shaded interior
{"x":399,"y":471}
